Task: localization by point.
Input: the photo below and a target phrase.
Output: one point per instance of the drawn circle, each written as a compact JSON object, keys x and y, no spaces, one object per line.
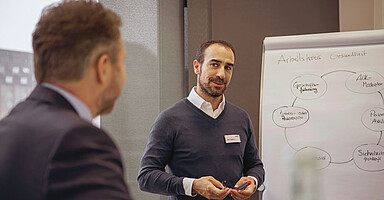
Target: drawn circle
{"x":373,"y":119}
{"x":321,"y":158}
{"x":288,"y":117}
{"x":369,"y":157}
{"x":308,"y":86}
{"x":365,"y":82}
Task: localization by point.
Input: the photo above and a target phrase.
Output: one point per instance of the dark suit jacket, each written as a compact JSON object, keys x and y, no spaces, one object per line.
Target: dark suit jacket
{"x":48,"y":152}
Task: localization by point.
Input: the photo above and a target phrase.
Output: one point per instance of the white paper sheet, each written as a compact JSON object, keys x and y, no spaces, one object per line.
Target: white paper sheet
{"x":323,"y":94}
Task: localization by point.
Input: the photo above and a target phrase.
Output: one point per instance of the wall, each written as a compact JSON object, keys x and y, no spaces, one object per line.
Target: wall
{"x":378,"y":14}
{"x":199,"y":29}
{"x":361,"y":15}
{"x":152,"y":33}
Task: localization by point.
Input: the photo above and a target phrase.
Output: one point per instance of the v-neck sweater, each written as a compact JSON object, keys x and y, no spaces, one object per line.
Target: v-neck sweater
{"x":193,"y":145}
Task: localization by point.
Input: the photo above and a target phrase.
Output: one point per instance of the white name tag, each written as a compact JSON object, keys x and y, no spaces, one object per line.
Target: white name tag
{"x":232,"y":139}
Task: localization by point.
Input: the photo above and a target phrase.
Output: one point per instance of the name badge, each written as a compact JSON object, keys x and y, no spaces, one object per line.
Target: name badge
{"x":232,"y":139}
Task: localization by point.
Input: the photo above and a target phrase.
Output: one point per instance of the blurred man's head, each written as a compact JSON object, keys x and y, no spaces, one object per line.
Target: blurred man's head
{"x":75,"y":40}
{"x":69,"y":34}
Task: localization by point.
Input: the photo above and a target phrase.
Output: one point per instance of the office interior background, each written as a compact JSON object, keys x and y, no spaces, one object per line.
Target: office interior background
{"x":161,"y":37}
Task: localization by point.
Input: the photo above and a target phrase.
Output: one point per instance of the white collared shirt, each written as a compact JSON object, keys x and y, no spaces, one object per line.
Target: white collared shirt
{"x":204,"y":105}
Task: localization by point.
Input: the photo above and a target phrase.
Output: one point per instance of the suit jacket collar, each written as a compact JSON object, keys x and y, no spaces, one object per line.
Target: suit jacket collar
{"x":47,"y":95}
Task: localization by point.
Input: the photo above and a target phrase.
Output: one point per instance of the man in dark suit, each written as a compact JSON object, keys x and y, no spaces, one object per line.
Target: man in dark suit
{"x":49,"y":148}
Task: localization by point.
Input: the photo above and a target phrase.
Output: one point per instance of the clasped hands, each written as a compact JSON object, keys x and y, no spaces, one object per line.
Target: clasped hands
{"x":211,"y":188}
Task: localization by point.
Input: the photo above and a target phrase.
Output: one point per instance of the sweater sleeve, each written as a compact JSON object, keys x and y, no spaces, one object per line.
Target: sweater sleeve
{"x":152,"y":176}
{"x":252,"y":163}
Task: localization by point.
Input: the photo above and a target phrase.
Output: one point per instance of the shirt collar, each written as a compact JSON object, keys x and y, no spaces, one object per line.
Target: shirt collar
{"x":198,"y":101}
{"x":79,"y":106}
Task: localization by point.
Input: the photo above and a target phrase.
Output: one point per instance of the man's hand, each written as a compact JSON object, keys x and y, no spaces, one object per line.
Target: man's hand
{"x":246,"y":192}
{"x":210,"y":188}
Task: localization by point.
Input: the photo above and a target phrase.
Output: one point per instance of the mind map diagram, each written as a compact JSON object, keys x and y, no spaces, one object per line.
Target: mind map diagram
{"x":367,"y":157}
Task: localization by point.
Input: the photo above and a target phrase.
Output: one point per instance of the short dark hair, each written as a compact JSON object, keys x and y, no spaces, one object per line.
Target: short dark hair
{"x":68,"y":34}
{"x":200,"y":52}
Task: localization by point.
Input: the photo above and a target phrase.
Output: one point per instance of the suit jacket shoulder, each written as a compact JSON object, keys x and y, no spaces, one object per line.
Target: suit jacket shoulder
{"x":47,"y":150}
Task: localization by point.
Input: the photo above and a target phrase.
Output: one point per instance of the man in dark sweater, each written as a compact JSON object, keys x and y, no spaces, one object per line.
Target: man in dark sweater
{"x":204,"y":140}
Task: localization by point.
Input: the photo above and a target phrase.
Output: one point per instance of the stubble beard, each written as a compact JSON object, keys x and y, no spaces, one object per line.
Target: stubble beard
{"x":106,"y":106}
{"x":211,"y":90}
{"x":107,"y":101}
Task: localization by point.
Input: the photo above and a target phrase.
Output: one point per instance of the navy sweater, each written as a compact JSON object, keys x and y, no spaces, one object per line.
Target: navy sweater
{"x":192,"y":144}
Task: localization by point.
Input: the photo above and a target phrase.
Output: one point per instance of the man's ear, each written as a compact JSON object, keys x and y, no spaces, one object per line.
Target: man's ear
{"x":196,"y":67}
{"x":103,"y":68}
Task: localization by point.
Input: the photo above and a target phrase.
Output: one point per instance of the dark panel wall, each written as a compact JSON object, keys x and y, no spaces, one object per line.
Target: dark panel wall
{"x":199,"y":30}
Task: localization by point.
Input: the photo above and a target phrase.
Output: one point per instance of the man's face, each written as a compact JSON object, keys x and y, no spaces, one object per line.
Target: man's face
{"x":215,"y":73}
{"x":116,"y":85}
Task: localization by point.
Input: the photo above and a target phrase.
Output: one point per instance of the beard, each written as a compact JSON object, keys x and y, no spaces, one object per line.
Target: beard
{"x":106,"y":105}
{"x":212,"y":90}
{"x":107,"y":101}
